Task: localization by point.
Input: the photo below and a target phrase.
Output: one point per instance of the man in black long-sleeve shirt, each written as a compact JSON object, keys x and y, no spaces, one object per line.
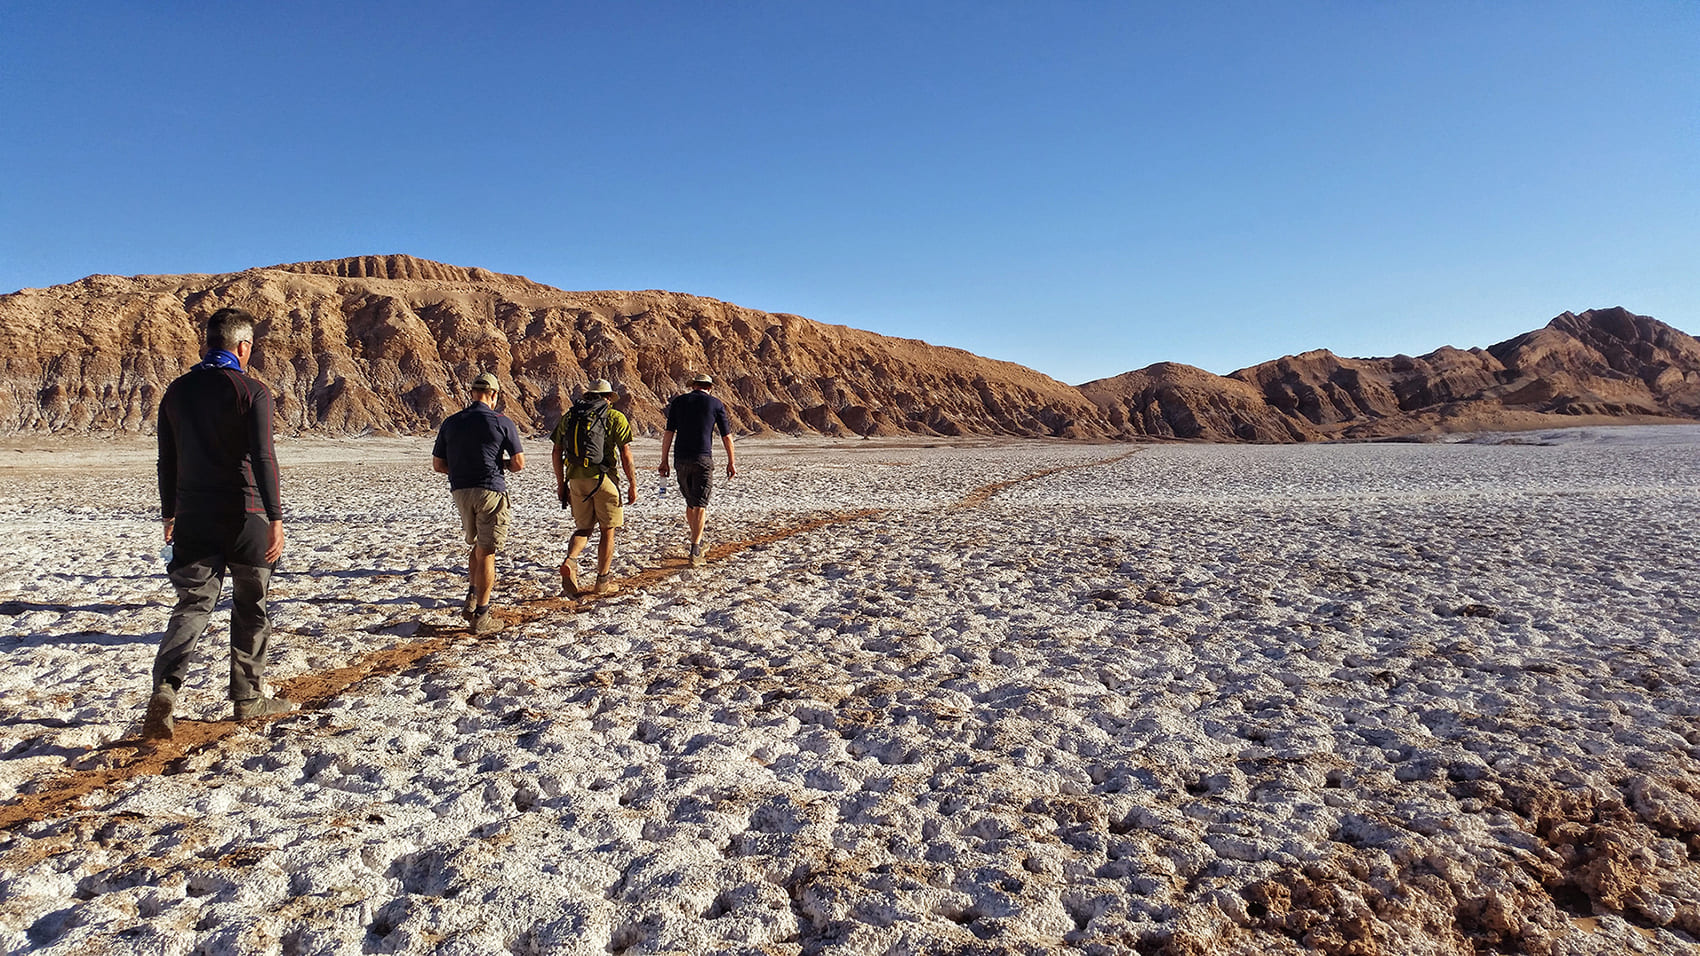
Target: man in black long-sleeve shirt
{"x":219,"y":499}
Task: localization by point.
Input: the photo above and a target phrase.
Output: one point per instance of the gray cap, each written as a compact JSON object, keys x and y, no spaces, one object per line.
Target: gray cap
{"x":485,"y":382}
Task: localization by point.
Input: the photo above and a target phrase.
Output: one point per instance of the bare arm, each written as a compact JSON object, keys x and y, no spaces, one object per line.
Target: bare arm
{"x":515,"y":448}
{"x":731,"y":458}
{"x":439,"y":466}
{"x":631,"y":474}
{"x":666,"y":446}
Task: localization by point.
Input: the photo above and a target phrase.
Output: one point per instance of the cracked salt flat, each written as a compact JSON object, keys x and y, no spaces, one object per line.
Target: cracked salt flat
{"x":1187,"y":699}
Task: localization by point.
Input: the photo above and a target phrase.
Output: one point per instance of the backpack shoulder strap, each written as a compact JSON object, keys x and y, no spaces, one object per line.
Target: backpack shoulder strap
{"x":607,"y":412}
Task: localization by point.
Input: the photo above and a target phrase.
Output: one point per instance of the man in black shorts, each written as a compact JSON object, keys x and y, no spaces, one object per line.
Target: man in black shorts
{"x":219,"y":499}
{"x":474,"y":446}
{"x":692,"y":419}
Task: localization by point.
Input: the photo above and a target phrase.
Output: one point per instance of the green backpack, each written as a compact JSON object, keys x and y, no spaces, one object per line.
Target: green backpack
{"x":582,"y":434}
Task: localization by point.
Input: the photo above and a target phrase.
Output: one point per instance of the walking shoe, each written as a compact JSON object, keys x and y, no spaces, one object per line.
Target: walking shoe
{"x":262,"y":707}
{"x":604,"y":585}
{"x":569,"y":579}
{"x":469,"y":607}
{"x":698,"y":559}
{"x":158,"y":724}
{"x":486,"y":623}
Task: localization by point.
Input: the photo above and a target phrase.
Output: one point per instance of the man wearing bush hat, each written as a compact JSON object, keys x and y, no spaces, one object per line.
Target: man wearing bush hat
{"x":474,"y":446}
{"x":585,"y":482}
{"x":692,"y":419}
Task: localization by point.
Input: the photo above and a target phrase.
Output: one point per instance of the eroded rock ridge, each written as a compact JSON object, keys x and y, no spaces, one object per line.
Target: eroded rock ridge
{"x":1601,"y":365}
{"x":387,"y":343}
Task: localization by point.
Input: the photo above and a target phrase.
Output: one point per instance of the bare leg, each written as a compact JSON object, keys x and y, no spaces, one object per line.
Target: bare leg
{"x":569,"y":567}
{"x":481,"y":567}
{"x":605,"y":553}
{"x":695,"y":518}
{"x":575,"y":547}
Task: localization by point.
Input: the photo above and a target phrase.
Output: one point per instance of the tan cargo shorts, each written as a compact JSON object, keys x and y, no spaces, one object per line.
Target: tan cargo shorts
{"x":484,"y":517}
{"x":595,"y":501}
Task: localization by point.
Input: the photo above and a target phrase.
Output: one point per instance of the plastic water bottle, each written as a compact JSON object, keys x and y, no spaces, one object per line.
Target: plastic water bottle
{"x":661,"y":489}
{"x":166,"y":553}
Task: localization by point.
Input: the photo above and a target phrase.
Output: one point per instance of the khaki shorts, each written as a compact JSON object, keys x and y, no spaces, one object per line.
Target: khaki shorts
{"x":483,"y":516}
{"x":595,"y":501}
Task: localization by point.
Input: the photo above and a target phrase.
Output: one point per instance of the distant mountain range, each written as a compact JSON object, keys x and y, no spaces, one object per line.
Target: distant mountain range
{"x":387,"y":343}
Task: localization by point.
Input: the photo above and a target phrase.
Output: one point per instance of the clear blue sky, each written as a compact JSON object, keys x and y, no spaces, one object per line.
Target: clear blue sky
{"x":1081,"y":187}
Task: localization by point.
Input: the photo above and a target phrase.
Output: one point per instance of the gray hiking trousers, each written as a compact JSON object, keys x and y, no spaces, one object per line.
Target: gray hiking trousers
{"x":198,"y":585}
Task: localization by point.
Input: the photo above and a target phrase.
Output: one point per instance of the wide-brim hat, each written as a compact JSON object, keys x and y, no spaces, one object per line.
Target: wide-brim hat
{"x":485,"y":382}
{"x":702,"y":378}
{"x":599,"y":387}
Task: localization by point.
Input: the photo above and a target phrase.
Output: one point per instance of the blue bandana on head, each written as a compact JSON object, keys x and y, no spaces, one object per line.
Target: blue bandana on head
{"x":219,"y":358}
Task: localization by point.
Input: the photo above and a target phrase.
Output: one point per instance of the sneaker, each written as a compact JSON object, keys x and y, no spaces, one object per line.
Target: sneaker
{"x":262,"y":707}
{"x":604,"y":585}
{"x":158,"y":724}
{"x":569,"y":579}
{"x":469,"y":608}
{"x":487,"y":623}
{"x":698,"y":559}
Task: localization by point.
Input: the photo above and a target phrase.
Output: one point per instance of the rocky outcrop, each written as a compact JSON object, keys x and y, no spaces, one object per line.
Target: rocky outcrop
{"x":387,"y":343}
{"x":1322,"y":389}
{"x":1609,"y":362}
{"x":1171,"y":401}
{"x":1605,"y":365}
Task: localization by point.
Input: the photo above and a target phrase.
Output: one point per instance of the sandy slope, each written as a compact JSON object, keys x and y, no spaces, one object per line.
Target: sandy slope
{"x":1024,"y":698}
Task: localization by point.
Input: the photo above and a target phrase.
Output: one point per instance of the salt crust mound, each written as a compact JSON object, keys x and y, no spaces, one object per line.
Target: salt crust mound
{"x":1394,"y":699}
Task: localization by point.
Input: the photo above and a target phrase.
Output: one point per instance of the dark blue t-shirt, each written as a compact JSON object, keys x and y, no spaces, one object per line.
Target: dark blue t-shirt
{"x":472,"y":442}
{"x":693,"y":418}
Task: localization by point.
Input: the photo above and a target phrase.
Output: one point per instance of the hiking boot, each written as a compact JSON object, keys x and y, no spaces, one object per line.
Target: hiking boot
{"x":469,"y":607}
{"x":604,"y":584}
{"x":569,"y":580}
{"x":158,"y":724}
{"x":486,"y":623}
{"x":262,"y":707}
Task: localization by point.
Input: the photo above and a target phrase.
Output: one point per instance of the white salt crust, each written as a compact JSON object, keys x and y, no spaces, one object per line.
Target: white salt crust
{"x":1161,"y":699}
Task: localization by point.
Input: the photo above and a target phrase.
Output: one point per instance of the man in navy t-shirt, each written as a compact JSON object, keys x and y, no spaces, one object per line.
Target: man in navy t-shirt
{"x":692,"y":420}
{"x":473,"y":447}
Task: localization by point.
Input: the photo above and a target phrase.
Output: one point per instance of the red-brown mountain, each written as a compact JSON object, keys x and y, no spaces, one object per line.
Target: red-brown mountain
{"x":1604,"y":365}
{"x":387,"y":343}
